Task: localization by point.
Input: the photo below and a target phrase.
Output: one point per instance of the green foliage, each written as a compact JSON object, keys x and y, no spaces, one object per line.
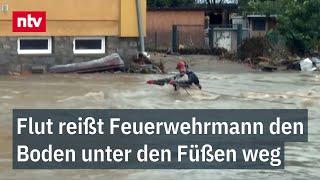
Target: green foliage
{"x":298,"y":21}
{"x":243,"y":5}
{"x":171,"y":3}
{"x":187,"y":3}
{"x":265,"y":6}
{"x":300,"y":24}
{"x":158,"y":3}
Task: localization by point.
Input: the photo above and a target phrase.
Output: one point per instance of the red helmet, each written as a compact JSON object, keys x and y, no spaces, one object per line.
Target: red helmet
{"x":181,"y":65}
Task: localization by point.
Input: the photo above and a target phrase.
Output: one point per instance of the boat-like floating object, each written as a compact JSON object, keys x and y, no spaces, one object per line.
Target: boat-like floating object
{"x":109,"y":63}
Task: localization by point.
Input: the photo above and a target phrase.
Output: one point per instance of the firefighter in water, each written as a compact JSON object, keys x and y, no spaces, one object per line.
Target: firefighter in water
{"x":185,"y":78}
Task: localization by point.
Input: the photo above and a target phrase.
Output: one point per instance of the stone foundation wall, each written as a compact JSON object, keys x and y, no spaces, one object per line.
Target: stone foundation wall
{"x":62,"y":53}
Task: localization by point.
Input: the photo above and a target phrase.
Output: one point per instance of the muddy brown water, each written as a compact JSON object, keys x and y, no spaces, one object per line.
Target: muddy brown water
{"x":276,"y":90}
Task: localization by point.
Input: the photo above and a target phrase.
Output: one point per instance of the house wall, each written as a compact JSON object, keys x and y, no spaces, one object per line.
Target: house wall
{"x":114,"y":19}
{"x":255,"y":33}
{"x":270,"y":24}
{"x":239,"y":20}
{"x":78,"y":17}
{"x":62,"y":53}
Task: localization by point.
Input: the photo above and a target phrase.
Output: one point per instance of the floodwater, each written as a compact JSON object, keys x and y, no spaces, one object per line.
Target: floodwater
{"x":222,"y":90}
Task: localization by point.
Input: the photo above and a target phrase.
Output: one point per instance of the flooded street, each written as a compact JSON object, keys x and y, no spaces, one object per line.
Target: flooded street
{"x":125,"y":91}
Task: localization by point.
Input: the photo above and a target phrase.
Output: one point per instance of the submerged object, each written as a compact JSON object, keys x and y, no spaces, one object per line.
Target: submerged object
{"x":307,"y":65}
{"x":108,"y":63}
{"x":316,"y":61}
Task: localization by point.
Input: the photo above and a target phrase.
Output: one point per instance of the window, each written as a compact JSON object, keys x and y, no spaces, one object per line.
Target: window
{"x":35,"y":45}
{"x":259,"y":24}
{"x":89,"y":45}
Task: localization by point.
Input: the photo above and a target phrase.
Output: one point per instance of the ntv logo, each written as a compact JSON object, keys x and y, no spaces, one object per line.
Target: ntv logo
{"x":29,"y":21}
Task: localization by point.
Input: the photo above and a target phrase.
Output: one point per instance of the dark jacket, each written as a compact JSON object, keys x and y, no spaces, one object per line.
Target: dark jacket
{"x":180,"y":81}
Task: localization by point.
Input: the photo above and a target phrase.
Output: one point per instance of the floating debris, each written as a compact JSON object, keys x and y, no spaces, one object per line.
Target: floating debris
{"x":108,"y":63}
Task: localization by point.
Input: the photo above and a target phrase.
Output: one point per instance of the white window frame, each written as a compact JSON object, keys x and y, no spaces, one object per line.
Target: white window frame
{"x":90,"y":51}
{"x":35,"y":51}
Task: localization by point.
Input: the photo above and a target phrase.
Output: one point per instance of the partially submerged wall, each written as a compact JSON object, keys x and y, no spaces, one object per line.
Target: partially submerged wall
{"x":62,"y":53}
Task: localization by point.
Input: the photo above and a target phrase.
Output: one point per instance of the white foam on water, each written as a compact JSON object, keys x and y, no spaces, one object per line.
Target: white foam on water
{"x":91,"y":97}
{"x":307,"y":103}
{"x":253,"y":95}
{"x":201,"y":95}
{"x":6,"y":97}
{"x":16,"y":92}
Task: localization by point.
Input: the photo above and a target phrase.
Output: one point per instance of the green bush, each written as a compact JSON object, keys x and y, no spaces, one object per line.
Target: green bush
{"x":298,"y":21}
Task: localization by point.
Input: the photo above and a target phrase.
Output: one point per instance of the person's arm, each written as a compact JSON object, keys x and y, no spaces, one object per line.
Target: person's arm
{"x":161,"y":82}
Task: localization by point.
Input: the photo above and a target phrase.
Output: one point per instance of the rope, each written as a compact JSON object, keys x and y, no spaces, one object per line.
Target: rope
{"x":187,"y":91}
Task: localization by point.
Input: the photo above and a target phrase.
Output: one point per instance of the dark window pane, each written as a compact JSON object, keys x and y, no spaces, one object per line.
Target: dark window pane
{"x":88,"y":44}
{"x":29,"y":44}
{"x":259,"y":24}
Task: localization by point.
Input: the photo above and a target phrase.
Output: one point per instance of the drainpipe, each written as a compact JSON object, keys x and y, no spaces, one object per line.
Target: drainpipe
{"x":140,"y":27}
